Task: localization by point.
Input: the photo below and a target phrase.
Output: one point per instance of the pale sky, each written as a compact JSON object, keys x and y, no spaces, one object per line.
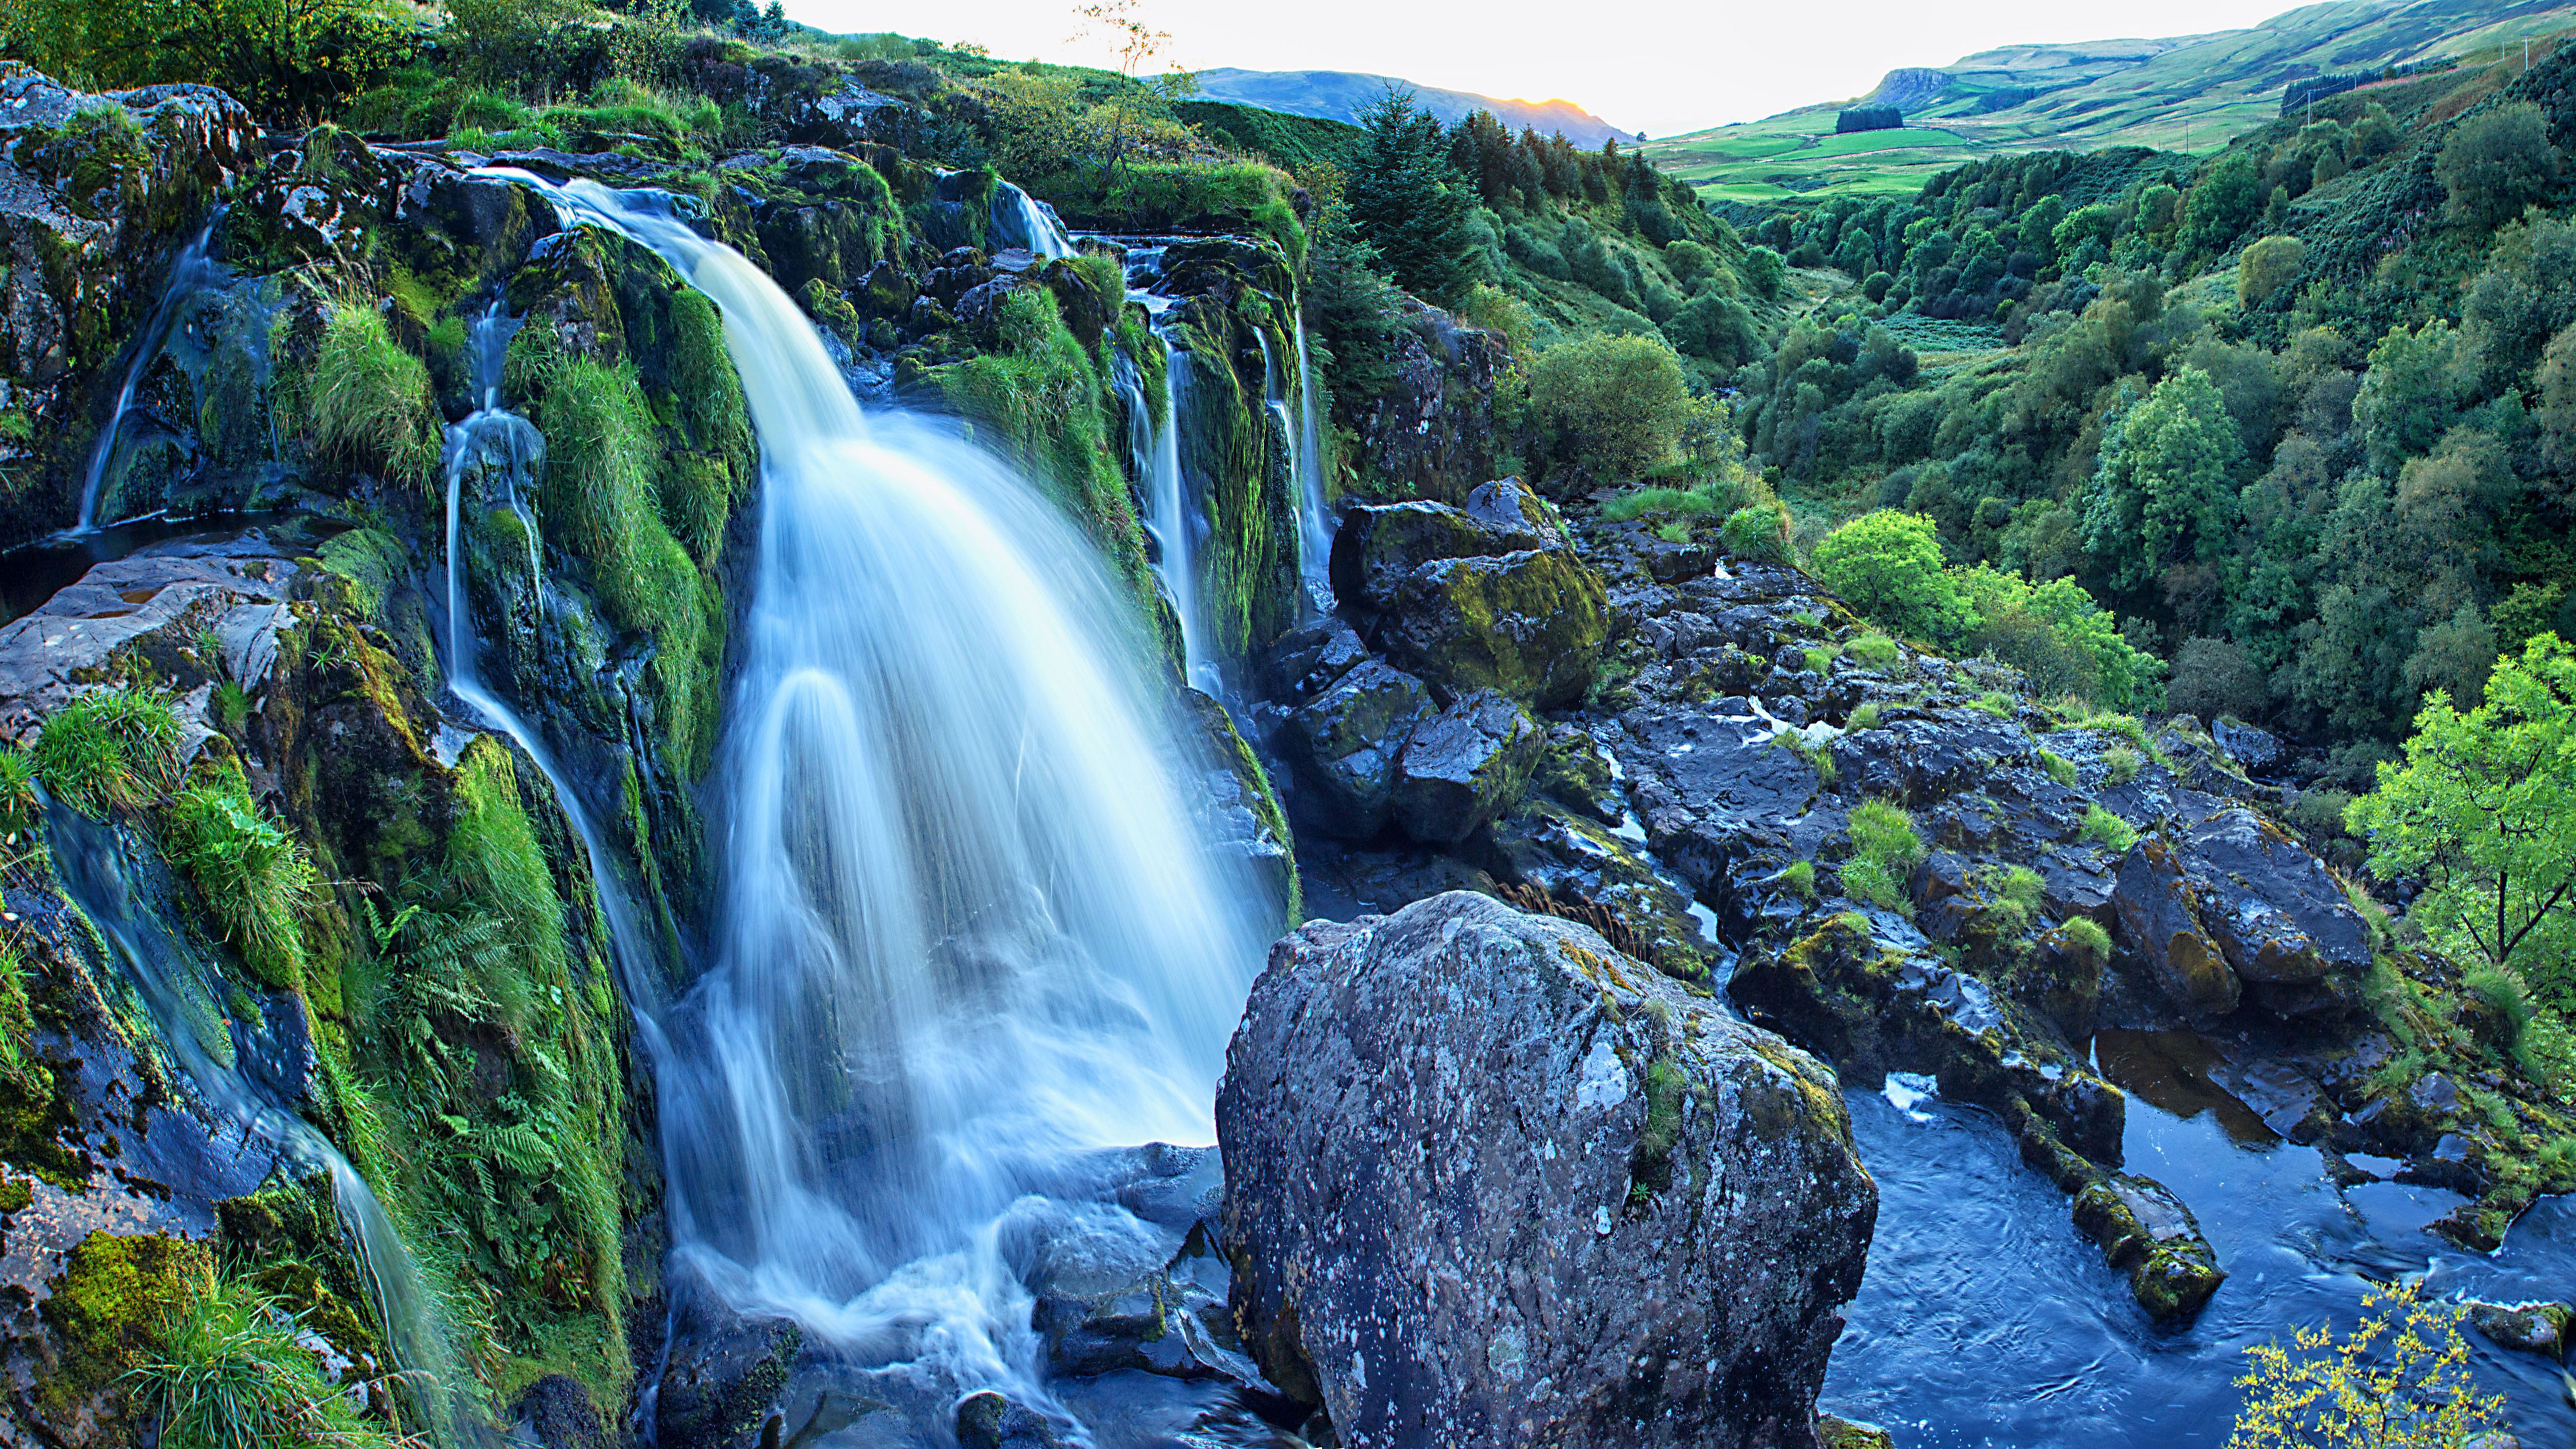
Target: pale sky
{"x":1657,"y":68}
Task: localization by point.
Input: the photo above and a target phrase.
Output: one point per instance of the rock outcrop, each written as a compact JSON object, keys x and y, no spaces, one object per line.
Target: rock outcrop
{"x":1488,"y":1181}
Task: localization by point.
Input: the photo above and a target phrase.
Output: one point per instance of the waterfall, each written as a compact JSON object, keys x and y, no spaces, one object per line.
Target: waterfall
{"x":1176,"y":524}
{"x":1314,"y":515}
{"x":170,"y":980}
{"x":1020,"y":220}
{"x":971,"y":934}
{"x":189,"y":272}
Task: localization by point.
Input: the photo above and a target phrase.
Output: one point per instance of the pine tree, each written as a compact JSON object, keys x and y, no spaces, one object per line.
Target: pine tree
{"x":1403,"y":201}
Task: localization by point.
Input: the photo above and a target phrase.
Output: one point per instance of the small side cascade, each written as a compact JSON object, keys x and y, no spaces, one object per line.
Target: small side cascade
{"x":496,"y":449}
{"x":1177,"y":520}
{"x":190,"y":273}
{"x":1314,"y":514}
{"x":171,"y":981}
{"x":1021,"y":220}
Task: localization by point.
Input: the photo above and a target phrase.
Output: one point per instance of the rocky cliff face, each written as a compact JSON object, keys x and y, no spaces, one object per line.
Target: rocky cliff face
{"x":1489,"y":1181}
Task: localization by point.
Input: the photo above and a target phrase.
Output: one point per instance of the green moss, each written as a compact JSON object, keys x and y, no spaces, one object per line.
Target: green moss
{"x":15,"y":1194}
{"x":2084,"y":938}
{"x":1820,"y":661}
{"x":1650,"y":1164}
{"x":2058,"y":767}
{"x":371,"y":559}
{"x":1800,"y":877}
{"x":108,"y":1311}
{"x":1874,"y":649}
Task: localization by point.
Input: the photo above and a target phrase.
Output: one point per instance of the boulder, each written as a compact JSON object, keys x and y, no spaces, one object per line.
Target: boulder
{"x":988,"y":1420}
{"x":2250,"y":748}
{"x":1531,"y":624}
{"x":2275,"y":911}
{"x":2145,"y":1231}
{"x":1464,"y":768}
{"x":2539,"y":1328}
{"x":1306,"y":660}
{"x":1489,"y":1182}
{"x":1345,"y":743}
{"x":148,"y":605}
{"x":2153,"y":903}
{"x":1379,"y":544}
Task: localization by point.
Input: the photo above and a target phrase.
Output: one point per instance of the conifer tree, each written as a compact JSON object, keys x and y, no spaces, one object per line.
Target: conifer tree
{"x":1403,"y":201}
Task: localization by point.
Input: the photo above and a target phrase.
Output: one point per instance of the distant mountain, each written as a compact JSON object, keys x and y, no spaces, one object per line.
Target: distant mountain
{"x":1341,"y":95}
{"x":2190,"y":92}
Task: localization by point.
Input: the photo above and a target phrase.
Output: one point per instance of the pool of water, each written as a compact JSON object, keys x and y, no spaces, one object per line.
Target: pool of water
{"x":1985,"y":1319}
{"x":34,"y":572}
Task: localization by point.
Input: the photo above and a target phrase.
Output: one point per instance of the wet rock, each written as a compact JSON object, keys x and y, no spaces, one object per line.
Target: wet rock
{"x":989,"y":1420}
{"x":1309,"y":658}
{"x":149,"y":605}
{"x":1379,"y":544}
{"x":1108,"y":1300}
{"x":1521,"y":517}
{"x":1839,"y":1433}
{"x":1722,"y":802}
{"x":2145,"y":1231}
{"x":558,"y":1414}
{"x":2250,"y":748}
{"x":1584,"y":870}
{"x":1464,"y":768}
{"x":1485,"y":1179}
{"x":1345,"y":744}
{"x":2276,"y":913}
{"x":2539,"y":1328}
{"x":2157,"y":923}
{"x":723,"y":1373}
{"x":1432,"y":433}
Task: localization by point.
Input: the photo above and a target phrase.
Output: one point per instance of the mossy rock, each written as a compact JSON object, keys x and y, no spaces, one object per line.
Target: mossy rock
{"x":2146,"y":1232}
{"x":1531,"y":625}
{"x":1839,"y":1433}
{"x":107,"y":1309}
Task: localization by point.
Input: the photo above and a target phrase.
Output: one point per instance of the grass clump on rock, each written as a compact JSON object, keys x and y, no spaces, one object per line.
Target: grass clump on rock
{"x":2107,"y":830}
{"x":366,"y":402}
{"x":1885,"y":851}
{"x":114,"y":749}
{"x":231,"y":1374}
{"x":257,"y":879}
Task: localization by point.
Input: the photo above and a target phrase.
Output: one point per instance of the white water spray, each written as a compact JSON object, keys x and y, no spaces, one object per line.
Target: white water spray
{"x":1020,"y":220}
{"x":971,"y":933}
{"x":1314,"y":514}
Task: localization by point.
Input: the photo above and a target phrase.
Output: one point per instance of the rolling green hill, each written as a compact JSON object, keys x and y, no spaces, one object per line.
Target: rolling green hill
{"x":2190,"y":93}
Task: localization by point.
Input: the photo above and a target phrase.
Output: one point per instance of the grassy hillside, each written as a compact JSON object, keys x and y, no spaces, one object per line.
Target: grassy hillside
{"x":2192,"y":93}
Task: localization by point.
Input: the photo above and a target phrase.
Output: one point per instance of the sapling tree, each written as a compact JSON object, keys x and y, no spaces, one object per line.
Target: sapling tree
{"x":2483,"y":812}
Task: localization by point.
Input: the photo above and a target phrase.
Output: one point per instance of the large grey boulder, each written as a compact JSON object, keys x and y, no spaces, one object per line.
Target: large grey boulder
{"x":1466,"y":767}
{"x":1344,"y":746}
{"x":2274,"y":909}
{"x":1490,"y":1182}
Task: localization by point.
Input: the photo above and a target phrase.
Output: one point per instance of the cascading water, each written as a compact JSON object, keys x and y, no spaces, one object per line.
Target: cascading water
{"x":1314,"y":515}
{"x":971,"y":936}
{"x":1175,"y":522}
{"x":172,"y":982}
{"x":189,"y":273}
{"x":1021,"y":220}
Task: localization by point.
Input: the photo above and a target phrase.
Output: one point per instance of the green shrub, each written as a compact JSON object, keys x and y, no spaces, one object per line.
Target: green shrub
{"x":2059,"y":768}
{"x":1614,"y":405}
{"x":2058,"y":637}
{"x":366,"y":403}
{"x":2320,"y":812}
{"x":2495,"y":161}
{"x":1885,"y":851}
{"x":1875,"y":650}
{"x":231,"y":1374}
{"x":113,"y":749}
{"x":2267,"y":266}
{"x":2107,"y":830}
{"x":255,"y":877}
{"x":1887,"y":566}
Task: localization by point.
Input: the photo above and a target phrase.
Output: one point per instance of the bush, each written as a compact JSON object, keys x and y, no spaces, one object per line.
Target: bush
{"x":1887,"y":566}
{"x":2107,"y":830}
{"x":2320,"y":812}
{"x":2212,"y":677}
{"x":115,"y":749}
{"x":2062,"y":641}
{"x":2495,"y":161}
{"x":1612,"y":404}
{"x":2268,"y":266}
{"x":255,"y":876}
{"x":1885,"y":851}
{"x":2399,"y":1380}
{"x":1758,"y":531}
{"x":367,"y":403}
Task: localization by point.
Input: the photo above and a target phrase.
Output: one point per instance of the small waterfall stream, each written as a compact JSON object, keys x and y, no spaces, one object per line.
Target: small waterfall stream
{"x":1020,"y":220}
{"x":190,"y":271}
{"x":971,"y":935}
{"x":172,"y":983}
{"x":1314,"y":513}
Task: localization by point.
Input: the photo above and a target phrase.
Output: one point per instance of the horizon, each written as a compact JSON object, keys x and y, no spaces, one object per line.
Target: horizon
{"x":1658,"y":85}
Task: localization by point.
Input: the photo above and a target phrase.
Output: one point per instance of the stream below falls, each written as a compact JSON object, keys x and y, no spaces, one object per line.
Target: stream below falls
{"x":1986,"y":1319}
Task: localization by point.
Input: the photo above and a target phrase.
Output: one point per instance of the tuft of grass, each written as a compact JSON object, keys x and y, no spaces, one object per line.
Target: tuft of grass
{"x":1994,"y":702}
{"x":257,"y":880}
{"x":1863,"y":718}
{"x":1874,"y":649}
{"x":2059,"y":768}
{"x":232,"y":706}
{"x":2084,"y":938}
{"x":367,"y":403}
{"x":1820,"y":661}
{"x":231,"y":1375}
{"x":109,"y":750}
{"x":1800,"y":876}
{"x":2123,"y":763}
{"x":20,"y":806}
{"x":2107,"y":830}
{"x":1885,"y":850}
